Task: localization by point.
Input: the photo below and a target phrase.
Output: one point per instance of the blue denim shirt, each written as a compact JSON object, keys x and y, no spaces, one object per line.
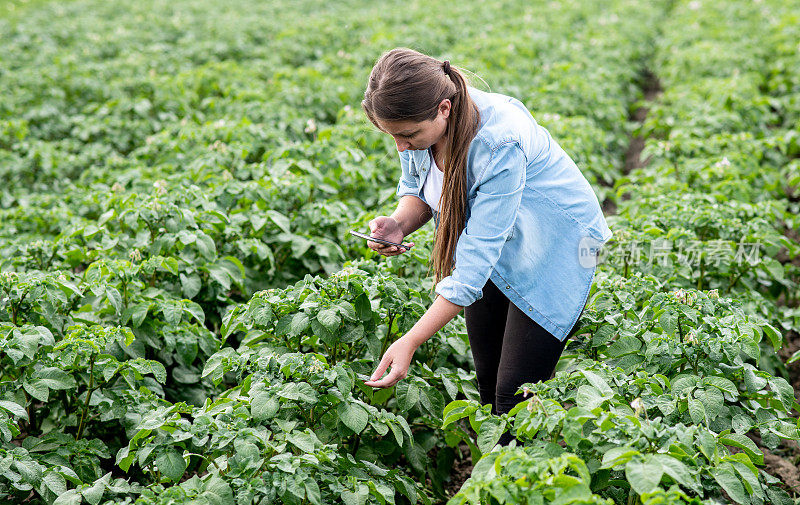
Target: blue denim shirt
{"x":534,"y":224}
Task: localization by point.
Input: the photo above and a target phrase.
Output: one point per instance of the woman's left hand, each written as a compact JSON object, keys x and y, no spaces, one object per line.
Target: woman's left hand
{"x":398,"y":356}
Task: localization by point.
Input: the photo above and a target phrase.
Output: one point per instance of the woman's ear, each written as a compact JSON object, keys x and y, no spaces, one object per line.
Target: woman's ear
{"x":444,"y":107}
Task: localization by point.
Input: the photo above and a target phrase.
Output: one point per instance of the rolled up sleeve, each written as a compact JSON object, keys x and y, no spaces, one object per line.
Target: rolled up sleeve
{"x":408,"y":184}
{"x":491,"y":220}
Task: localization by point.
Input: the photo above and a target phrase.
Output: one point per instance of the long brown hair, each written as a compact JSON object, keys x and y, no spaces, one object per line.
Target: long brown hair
{"x":406,"y":85}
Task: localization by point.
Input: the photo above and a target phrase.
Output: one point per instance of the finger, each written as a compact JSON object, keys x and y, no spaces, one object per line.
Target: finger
{"x":387,"y":381}
{"x":386,"y":250}
{"x":382,"y":366}
{"x":377,"y":246}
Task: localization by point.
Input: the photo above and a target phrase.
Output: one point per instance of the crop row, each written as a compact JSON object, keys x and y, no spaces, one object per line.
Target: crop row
{"x":672,"y":387}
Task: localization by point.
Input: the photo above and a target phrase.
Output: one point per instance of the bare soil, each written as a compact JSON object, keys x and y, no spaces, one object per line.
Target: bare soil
{"x":633,"y":156}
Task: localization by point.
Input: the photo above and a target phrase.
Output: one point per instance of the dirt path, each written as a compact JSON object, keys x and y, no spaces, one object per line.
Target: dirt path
{"x":632,"y":160}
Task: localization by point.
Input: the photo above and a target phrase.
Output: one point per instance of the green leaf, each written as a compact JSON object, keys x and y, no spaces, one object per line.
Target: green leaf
{"x":171,"y":464}
{"x":234,"y":267}
{"x":598,"y":382}
{"x":777,"y":496}
{"x":624,"y":345}
{"x":723,"y":384}
{"x":55,"y":482}
{"x":330,"y":319}
{"x":712,"y":400}
{"x":31,"y":471}
{"x":70,"y":497}
{"x":347,"y":310}
{"x":313,"y":493}
{"x":94,"y":493}
{"x":69,"y":288}
{"x":589,"y":397}
{"x":170,"y":265}
{"x":303,"y":440}
{"x":343,"y":381}
{"x":407,"y":396}
{"x":741,"y":423}
{"x":363,"y":307}
{"x":158,"y":371}
{"x":669,"y":321}
{"x":748,"y":474}
{"x":257,"y":221}
{"x":206,"y":246}
{"x":221,"y":275}
{"x":172,"y":312}
{"x":397,"y":431}
{"x":301,"y":391}
{"x":618,"y":456}
{"x":697,"y":411}
{"x":37,"y":389}
{"x":784,"y":390}
{"x":707,"y":444}
{"x":217,"y":491}
{"x":643,"y":476}
{"x":743,"y":442}
{"x":55,"y":378}
{"x":353,"y":416}
{"x":774,"y":335}
{"x":299,"y":324}
{"x":114,"y":298}
{"x":730,"y":483}
{"x":432,"y":400}
{"x":490,"y":432}
{"x":190,"y":285}
{"x":752,"y":380}
{"x":676,"y":470}
{"x":280,"y":220}
{"x":124,"y":458}
{"x":351,"y":498}
{"x":14,"y":408}
{"x":195,"y":311}
{"x":138,"y":313}
{"x":263,"y":406}
{"x":456,"y":410}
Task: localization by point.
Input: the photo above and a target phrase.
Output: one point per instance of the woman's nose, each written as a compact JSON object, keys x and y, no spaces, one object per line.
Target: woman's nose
{"x":401,"y":146}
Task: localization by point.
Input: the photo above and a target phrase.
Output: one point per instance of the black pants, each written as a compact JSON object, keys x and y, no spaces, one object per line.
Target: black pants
{"x":509,"y":349}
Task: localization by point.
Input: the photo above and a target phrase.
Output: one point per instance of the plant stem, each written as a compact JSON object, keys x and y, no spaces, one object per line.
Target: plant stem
{"x":732,"y":282}
{"x":385,"y":345}
{"x":88,"y":397}
{"x":702,"y":274}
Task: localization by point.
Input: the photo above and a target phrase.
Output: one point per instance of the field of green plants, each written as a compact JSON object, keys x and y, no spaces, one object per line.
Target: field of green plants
{"x":184,"y":317}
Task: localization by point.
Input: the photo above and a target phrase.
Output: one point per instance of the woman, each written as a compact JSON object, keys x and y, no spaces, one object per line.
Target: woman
{"x":517,"y":224}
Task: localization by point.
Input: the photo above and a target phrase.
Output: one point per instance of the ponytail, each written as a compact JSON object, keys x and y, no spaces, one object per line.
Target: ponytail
{"x":407,"y":85}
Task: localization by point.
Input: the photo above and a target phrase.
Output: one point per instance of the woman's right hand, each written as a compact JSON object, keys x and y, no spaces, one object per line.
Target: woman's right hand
{"x":388,"y":229}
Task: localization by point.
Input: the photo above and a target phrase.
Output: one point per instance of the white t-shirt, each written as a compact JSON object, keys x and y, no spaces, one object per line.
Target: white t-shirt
{"x":432,"y":187}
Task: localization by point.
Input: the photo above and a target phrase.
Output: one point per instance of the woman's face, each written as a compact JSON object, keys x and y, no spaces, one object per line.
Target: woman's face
{"x":418,"y":135}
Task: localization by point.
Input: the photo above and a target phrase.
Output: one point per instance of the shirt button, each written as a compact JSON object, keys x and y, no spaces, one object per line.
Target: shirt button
{"x":508,"y":287}
{"x":530,"y":308}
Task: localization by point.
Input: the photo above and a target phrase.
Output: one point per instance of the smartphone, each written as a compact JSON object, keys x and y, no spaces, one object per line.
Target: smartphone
{"x":380,"y":240}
